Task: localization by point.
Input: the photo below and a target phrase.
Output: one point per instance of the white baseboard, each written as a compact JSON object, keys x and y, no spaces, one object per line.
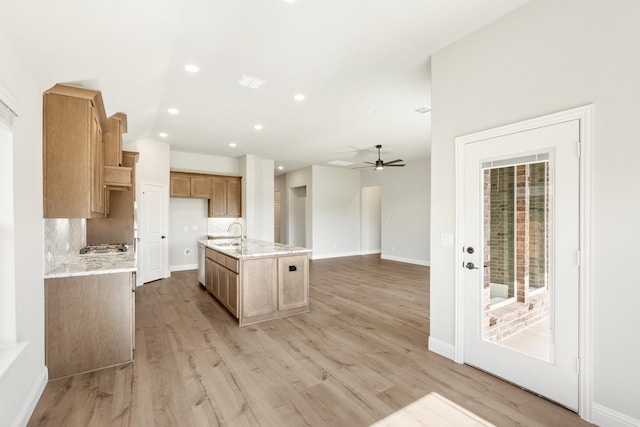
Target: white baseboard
{"x":606,"y":417}
{"x":183,"y":267}
{"x":406,"y":260}
{"x":32,"y":399}
{"x":442,"y":348}
{"x":371,"y":252}
{"x":336,"y":255}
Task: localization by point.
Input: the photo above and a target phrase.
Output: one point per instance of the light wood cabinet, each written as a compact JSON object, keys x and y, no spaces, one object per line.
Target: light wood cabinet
{"x":118,"y":226}
{"x":88,"y":322}
{"x":293,"y":282}
{"x":113,"y":140}
{"x":259,"y":287}
{"x":184,"y":184}
{"x":73,"y":153}
{"x":222,"y":282}
{"x":226,"y":197}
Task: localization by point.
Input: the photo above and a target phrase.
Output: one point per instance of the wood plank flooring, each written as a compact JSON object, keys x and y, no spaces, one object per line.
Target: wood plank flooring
{"x":359,"y":356}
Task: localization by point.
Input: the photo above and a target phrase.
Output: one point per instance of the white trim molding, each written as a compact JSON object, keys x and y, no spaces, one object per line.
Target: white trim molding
{"x":442,"y":348}
{"x":406,"y":260}
{"x":183,"y":267}
{"x":25,"y":412}
{"x":604,"y":416}
{"x":585,"y":324}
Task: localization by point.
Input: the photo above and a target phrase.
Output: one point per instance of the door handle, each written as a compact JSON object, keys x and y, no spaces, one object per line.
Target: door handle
{"x":470,"y":266}
{"x":164,"y":237}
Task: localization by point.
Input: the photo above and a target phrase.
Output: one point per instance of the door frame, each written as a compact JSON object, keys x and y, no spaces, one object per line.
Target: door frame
{"x":140,"y":231}
{"x":585,"y":287}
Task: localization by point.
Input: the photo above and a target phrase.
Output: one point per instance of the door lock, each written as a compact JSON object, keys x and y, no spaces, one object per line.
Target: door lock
{"x":470,"y":266}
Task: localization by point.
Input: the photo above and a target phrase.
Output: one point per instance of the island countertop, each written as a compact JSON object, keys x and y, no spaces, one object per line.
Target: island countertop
{"x":83,"y":265}
{"x":252,"y":248}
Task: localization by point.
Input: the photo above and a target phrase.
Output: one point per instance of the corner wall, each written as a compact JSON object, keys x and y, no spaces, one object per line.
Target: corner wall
{"x":545,"y":57}
{"x":405,"y":210}
{"x":24,"y":380}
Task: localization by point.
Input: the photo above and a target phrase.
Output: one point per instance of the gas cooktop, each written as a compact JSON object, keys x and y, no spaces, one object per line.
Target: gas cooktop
{"x":106,"y":248}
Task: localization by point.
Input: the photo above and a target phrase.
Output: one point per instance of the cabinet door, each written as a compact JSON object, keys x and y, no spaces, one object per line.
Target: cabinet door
{"x":96,"y":150}
{"x":113,"y":143}
{"x":293,"y":285}
{"x":259,"y":286}
{"x":223,"y":284}
{"x":232,"y":297}
{"x":200,"y":186}
{"x":180,"y":185}
{"x":218,"y":202}
{"x":234,"y":197}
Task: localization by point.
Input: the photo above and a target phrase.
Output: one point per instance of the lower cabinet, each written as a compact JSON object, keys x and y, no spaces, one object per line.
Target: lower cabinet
{"x":222,"y":282}
{"x":257,"y":289}
{"x":88,"y":322}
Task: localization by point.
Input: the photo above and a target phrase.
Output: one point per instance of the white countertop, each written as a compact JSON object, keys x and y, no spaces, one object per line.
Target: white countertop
{"x":83,"y":265}
{"x":252,"y":248}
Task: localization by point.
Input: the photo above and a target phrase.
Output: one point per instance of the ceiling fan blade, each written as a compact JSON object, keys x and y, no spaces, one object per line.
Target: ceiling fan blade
{"x":392,"y":166}
{"x":370,"y":163}
{"x":392,"y":162}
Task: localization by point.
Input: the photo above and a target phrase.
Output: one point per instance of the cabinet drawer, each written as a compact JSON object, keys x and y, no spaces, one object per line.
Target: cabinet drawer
{"x":232,"y":263}
{"x":211,"y":254}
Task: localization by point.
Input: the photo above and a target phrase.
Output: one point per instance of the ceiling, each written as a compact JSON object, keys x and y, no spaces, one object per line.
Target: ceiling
{"x":363,"y":66}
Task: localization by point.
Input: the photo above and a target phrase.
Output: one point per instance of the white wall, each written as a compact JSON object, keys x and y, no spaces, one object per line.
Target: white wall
{"x":257,"y":196}
{"x":299,"y":178}
{"x":545,"y":57}
{"x":152,"y":167}
{"x":371,"y":220}
{"x":24,"y":380}
{"x":406,"y":210}
{"x":187,"y":224}
{"x":336,"y":212}
{"x":280,"y":184}
{"x":204,"y":163}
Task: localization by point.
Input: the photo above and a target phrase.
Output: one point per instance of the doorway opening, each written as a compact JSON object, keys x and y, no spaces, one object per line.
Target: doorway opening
{"x":297,"y":218}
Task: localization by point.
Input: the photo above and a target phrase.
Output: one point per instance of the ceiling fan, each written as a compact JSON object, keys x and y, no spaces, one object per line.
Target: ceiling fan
{"x":380,"y":164}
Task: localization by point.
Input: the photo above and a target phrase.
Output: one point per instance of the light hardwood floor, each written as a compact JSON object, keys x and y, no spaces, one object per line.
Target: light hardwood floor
{"x":357,"y":357}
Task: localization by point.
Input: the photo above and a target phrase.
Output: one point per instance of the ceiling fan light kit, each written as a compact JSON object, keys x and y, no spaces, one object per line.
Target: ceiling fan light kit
{"x":381,"y":164}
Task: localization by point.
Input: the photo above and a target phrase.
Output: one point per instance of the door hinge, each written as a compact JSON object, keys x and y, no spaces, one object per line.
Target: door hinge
{"x":578,"y":366}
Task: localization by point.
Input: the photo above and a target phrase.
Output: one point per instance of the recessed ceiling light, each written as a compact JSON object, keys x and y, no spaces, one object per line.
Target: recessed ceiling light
{"x":250,"y":82}
{"x":173,"y":111}
{"x":257,"y":126}
{"x":192,"y":68}
{"x":163,"y":134}
{"x":280,"y":167}
{"x":232,"y":144}
{"x":299,"y":97}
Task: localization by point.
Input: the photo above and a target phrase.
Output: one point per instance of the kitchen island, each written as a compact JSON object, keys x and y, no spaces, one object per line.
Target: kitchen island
{"x":89,"y":312}
{"x":257,"y":280}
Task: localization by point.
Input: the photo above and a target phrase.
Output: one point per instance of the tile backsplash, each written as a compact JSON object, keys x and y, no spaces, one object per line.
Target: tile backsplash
{"x":219,"y":226}
{"x":62,"y":237}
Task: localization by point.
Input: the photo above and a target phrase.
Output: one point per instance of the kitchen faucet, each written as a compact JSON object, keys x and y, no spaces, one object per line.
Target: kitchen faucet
{"x":241,"y":230}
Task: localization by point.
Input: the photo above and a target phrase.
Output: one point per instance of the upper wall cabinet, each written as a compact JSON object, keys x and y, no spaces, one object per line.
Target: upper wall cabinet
{"x":117,"y":176}
{"x":224,"y":192}
{"x":226,"y":197}
{"x":73,"y":153}
{"x":190,"y":185}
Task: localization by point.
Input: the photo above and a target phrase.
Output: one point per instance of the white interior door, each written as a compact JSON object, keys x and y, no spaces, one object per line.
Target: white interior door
{"x":521,"y":232}
{"x":153,"y":244}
